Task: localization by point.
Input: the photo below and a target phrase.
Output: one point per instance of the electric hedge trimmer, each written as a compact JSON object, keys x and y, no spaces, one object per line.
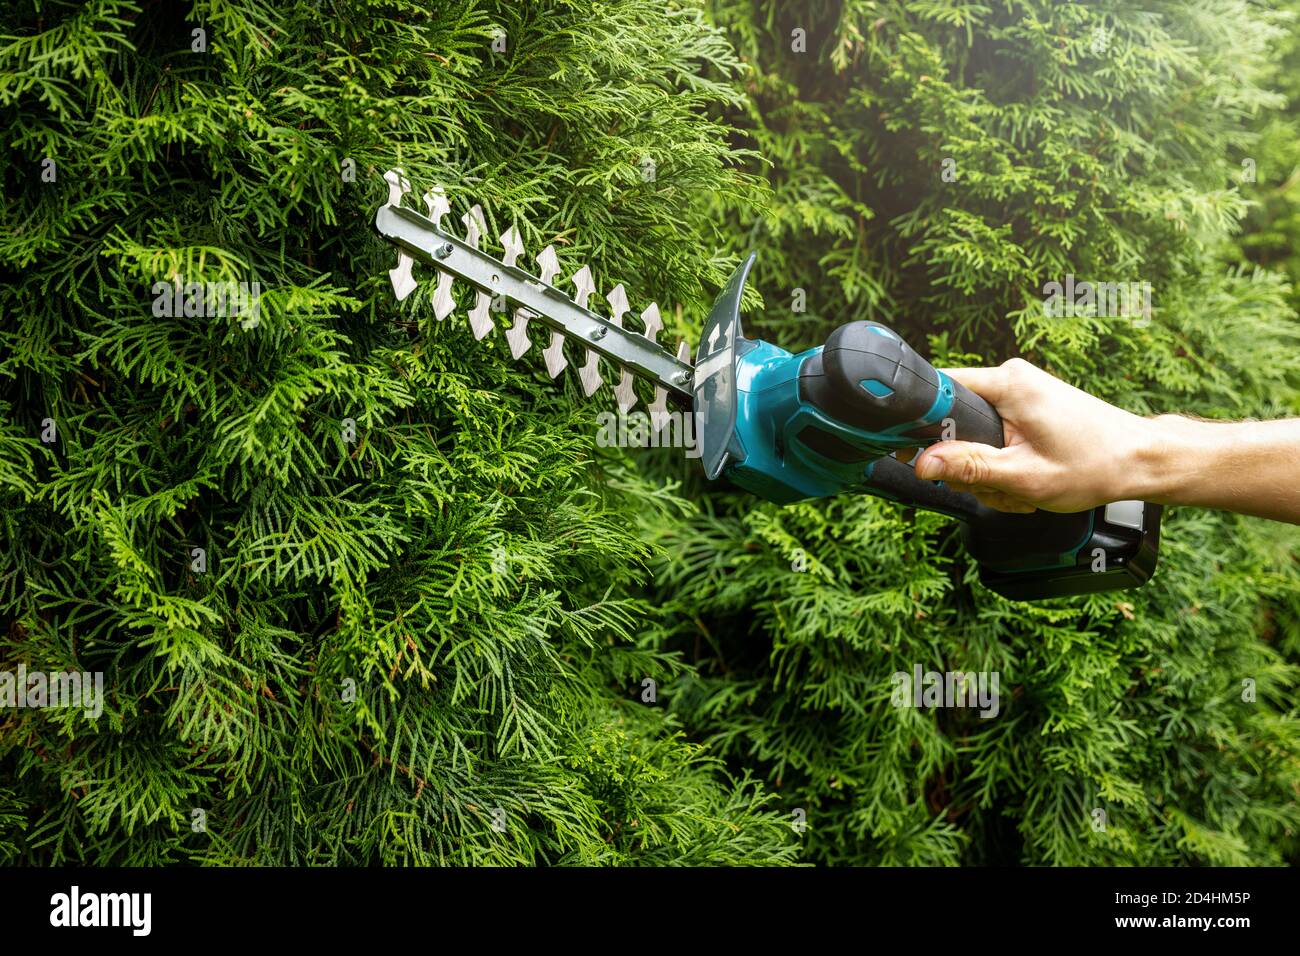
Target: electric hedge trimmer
{"x":785,"y":427}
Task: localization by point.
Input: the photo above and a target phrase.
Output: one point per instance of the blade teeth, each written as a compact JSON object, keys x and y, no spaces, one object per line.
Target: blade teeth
{"x":403,"y":281}
{"x":517,"y":335}
{"x":475,"y":225}
{"x":582,"y":281}
{"x":443,"y":303}
{"x":624,"y":392}
{"x":436,"y":201}
{"x":554,"y":355}
{"x":512,"y":245}
{"x":480,"y":319}
{"x":658,"y":408}
{"x":618,"y":307}
{"x":589,"y":374}
{"x":398,"y":186}
{"x":548,"y":264}
{"x":652,"y":321}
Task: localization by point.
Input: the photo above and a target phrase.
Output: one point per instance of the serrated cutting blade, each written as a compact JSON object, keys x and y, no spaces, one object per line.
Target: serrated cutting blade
{"x":533,"y":298}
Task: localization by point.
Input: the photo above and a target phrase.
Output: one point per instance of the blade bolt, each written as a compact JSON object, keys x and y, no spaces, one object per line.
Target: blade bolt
{"x":682,"y":378}
{"x":443,"y":251}
{"x":598,"y":333}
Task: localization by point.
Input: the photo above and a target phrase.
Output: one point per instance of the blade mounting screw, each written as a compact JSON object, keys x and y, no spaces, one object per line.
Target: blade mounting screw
{"x":682,"y":377}
{"x":598,"y":333}
{"x":443,"y":251}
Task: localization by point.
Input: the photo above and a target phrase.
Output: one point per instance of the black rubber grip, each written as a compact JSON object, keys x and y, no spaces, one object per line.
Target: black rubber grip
{"x":997,"y":540}
{"x":897,"y":481}
{"x":867,"y":377}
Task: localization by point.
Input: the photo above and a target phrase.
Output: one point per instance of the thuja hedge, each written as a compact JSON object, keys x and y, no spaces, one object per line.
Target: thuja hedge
{"x":432,"y":621}
{"x":934,"y":166}
{"x":356,"y":588}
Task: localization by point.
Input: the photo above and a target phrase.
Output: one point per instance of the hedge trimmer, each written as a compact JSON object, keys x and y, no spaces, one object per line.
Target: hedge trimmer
{"x":783,"y":426}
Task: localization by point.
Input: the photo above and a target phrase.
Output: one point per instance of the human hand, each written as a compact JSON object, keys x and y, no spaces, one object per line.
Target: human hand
{"x":1065,"y":450}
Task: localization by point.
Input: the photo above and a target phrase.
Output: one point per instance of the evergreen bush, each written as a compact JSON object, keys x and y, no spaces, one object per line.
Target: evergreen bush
{"x":412,"y":639}
{"x":431,"y":621}
{"x":933,"y":166}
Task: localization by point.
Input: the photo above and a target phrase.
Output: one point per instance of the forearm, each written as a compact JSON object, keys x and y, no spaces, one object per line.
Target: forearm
{"x":1248,"y":467}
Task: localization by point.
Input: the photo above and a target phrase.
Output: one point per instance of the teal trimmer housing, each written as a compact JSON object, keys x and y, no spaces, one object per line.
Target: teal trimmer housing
{"x":824,"y":421}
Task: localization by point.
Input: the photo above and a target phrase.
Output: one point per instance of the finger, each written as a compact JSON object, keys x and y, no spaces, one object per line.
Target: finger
{"x":966,"y":463}
{"x":989,"y":384}
{"x":999,"y":501}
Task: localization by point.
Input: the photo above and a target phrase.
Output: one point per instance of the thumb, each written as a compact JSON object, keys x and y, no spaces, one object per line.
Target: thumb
{"x":965,"y":463}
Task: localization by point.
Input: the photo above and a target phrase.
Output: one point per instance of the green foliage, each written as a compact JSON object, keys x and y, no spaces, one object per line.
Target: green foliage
{"x":376,"y":565}
{"x":1270,"y":169}
{"x":1116,"y":160}
{"x":460,"y":565}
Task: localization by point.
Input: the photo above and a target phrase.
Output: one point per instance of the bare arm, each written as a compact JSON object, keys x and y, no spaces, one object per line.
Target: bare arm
{"x":1068,"y":451}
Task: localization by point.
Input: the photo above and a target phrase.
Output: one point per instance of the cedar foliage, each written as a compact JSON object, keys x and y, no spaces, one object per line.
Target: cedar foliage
{"x":1118,"y":161}
{"x":1270,"y":171}
{"x":380,"y":562}
{"x":460,"y":565}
